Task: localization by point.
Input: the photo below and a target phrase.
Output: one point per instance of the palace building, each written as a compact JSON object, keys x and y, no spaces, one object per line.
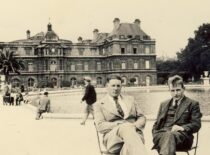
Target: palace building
{"x":126,"y":51}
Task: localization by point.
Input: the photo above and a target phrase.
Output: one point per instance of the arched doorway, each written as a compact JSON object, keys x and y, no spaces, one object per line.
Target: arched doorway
{"x":54,"y":82}
{"x":73,"y":81}
{"x":31,"y":82}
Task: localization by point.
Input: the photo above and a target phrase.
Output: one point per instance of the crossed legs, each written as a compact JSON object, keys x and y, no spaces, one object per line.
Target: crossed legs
{"x":126,"y":140}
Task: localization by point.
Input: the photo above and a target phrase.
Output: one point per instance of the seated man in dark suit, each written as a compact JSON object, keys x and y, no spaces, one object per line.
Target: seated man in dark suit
{"x":178,"y":118}
{"x":121,"y":121}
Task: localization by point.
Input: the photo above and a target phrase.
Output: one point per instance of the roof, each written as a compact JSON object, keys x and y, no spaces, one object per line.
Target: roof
{"x":100,"y":38}
{"x":127,"y":29}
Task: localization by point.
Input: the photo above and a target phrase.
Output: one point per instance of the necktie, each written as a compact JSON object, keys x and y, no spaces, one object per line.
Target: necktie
{"x":119,"y":109}
{"x":176,"y":104}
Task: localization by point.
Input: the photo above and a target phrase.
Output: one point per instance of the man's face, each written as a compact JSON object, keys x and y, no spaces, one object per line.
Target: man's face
{"x":177,"y":92}
{"x":114,"y":87}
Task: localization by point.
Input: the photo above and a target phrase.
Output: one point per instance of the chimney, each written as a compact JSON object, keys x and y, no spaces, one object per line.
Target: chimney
{"x":49,"y":27}
{"x":95,"y":34}
{"x":116,"y":22}
{"x":137,"y":22}
{"x":28,"y":34}
{"x":79,"y":40}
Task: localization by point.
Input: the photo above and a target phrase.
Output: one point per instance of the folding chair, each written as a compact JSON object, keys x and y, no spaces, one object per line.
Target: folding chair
{"x":101,"y":147}
{"x":194,"y":146}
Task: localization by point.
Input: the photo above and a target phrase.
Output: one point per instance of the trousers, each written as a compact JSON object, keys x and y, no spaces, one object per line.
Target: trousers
{"x":125,"y":140}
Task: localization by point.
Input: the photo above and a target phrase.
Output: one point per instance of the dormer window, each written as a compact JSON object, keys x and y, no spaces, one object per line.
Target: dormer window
{"x":130,"y":36}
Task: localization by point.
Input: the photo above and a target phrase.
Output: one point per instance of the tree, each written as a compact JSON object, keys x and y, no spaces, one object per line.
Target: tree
{"x":195,"y":57}
{"x":9,"y":64}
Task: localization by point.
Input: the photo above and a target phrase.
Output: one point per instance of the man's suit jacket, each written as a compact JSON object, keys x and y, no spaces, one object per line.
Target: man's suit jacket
{"x":107,"y":117}
{"x":187,"y":115}
{"x":44,"y":104}
{"x":89,"y":95}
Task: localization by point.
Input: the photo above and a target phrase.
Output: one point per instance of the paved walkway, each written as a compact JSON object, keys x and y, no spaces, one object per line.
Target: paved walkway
{"x":21,"y":134}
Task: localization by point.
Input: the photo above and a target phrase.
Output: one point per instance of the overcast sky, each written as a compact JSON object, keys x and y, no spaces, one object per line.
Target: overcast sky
{"x":169,"y":22}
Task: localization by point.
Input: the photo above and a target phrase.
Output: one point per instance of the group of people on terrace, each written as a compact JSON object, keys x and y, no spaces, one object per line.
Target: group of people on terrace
{"x":121,"y":121}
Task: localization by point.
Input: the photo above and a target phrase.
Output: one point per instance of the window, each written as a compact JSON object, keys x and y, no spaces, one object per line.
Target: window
{"x":81,"y":50}
{"x":28,"y":50}
{"x":123,"y":65}
{"x":147,"y":64}
{"x":98,"y":66}
{"x":129,"y":36}
{"x":147,"y":50}
{"x":134,"y":50}
{"x":73,"y":67}
{"x":135,"y":65}
{"x":30,"y":67}
{"x":53,"y":65}
{"x":61,"y":65}
{"x":122,"y":50}
{"x":86,"y":66}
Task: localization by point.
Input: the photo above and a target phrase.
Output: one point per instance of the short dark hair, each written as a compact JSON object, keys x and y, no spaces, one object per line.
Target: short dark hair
{"x":45,"y":93}
{"x":117,"y":77}
{"x":176,"y":80}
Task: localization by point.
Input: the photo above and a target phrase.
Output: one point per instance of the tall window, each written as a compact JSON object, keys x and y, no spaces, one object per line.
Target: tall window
{"x":53,"y":65}
{"x":98,"y":66}
{"x":147,"y":64}
{"x":61,"y":64}
{"x":147,"y":50}
{"x":86,"y":66}
{"x":81,"y":50}
{"x":73,"y":67}
{"x":30,"y":67}
{"x":122,"y":50}
{"x":135,"y":66}
{"x":123,"y":65}
{"x":28,"y":50}
{"x":134,"y":50}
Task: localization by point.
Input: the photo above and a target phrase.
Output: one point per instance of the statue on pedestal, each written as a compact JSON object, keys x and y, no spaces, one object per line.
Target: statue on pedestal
{"x":205,"y":78}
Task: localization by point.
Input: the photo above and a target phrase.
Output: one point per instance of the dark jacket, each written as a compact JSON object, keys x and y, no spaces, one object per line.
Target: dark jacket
{"x":90,"y":95}
{"x":188,"y":116}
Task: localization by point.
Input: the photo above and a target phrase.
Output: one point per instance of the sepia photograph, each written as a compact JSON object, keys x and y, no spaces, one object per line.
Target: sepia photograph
{"x":105,"y":77}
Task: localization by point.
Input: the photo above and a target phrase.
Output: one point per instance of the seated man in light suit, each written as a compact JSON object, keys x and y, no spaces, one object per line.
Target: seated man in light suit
{"x":178,"y":118}
{"x":121,"y":121}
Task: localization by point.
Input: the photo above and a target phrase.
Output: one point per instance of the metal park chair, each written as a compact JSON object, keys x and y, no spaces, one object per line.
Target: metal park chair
{"x":194,"y":146}
{"x":101,"y":147}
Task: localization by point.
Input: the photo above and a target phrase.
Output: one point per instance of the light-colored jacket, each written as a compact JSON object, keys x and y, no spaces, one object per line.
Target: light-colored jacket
{"x":107,"y":117}
{"x":44,"y":104}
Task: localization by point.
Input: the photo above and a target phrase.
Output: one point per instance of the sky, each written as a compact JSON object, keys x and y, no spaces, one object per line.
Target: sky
{"x":169,"y":22}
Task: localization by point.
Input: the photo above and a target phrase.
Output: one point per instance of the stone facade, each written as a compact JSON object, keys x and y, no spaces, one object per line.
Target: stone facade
{"x":126,"y":51}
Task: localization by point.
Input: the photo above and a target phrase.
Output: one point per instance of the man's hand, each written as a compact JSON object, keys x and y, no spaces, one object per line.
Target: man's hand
{"x":177,"y":128}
